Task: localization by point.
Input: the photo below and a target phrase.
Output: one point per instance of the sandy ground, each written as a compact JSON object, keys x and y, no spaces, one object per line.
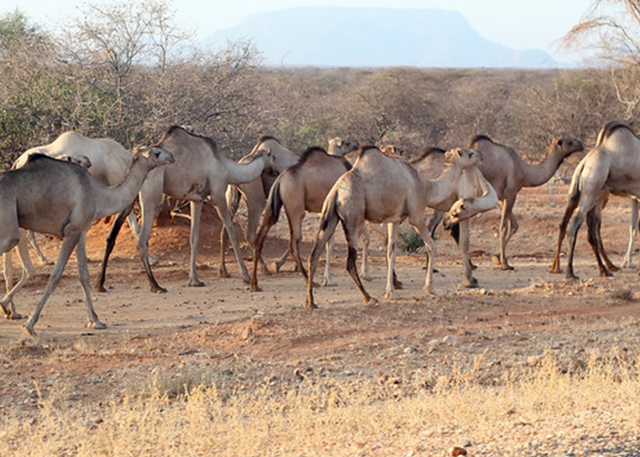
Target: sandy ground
{"x":514,"y":315}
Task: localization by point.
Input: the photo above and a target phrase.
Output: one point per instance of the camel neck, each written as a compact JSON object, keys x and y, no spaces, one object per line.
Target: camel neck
{"x":240,"y":173}
{"x":539,"y":173}
{"x":116,"y":198}
{"x":440,"y":190}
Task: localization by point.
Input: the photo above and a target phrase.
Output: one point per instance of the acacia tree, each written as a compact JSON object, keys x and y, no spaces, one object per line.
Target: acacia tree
{"x":611,"y":29}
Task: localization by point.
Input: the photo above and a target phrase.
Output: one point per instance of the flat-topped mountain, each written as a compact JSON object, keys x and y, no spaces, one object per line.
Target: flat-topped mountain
{"x":373,"y":37}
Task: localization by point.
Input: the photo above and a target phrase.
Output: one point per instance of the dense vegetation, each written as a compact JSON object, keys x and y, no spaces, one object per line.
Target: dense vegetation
{"x":128,"y":73}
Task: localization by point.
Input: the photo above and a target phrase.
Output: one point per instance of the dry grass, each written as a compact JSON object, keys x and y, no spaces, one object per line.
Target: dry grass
{"x":196,"y":414}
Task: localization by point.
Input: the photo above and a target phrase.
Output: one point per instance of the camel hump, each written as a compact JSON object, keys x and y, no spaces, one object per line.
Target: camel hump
{"x":478,"y":138}
{"x":432,"y":150}
{"x":609,"y":129}
{"x":265,"y":138}
{"x":36,"y":156}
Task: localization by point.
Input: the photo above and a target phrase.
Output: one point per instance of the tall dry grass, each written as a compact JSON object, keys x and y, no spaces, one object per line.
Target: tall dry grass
{"x":197,"y":416}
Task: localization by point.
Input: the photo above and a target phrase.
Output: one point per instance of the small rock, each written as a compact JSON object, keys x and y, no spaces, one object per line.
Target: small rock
{"x":409,"y":350}
{"x":456,"y":451}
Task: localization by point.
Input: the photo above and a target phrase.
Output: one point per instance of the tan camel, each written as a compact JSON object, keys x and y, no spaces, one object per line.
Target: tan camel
{"x":23,"y":253}
{"x":255,"y":193}
{"x":508,"y":173}
{"x":63,"y":199}
{"x":200,"y":171}
{"x":109,"y":163}
{"x":383,"y":189}
{"x":613,"y":165}
{"x":472,"y":183}
{"x":300,"y":189}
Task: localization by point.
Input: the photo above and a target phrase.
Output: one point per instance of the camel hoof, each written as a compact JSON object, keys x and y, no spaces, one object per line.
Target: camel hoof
{"x":224,"y":274}
{"x":158,"y":290}
{"x":99,"y":288}
{"x":506,"y":267}
{"x":370,"y":301}
{"x":311,"y":305}
{"x":605,"y":274}
{"x":328,"y":283}
{"x":555,"y":270}
{"x":428,"y":290}
{"x":255,"y":289}
{"x":96,"y":325}
{"x":473,"y":284}
{"x":496,"y":260}
{"x":614,"y":269}
{"x":367,"y":277}
{"x":473,"y":266}
{"x":14,"y":316}
{"x":195,"y":283}
{"x":266,"y":270}
{"x":28,"y":330}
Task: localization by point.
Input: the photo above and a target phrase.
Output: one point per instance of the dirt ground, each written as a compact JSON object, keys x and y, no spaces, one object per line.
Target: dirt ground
{"x":514,"y":315}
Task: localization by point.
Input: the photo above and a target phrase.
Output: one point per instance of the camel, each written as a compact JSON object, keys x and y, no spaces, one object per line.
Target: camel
{"x":23,"y":253}
{"x":300,"y":189}
{"x":508,"y":173}
{"x":109,"y":163}
{"x":63,"y":199}
{"x":255,"y":193}
{"x":200,"y":171}
{"x":472,"y":183}
{"x":613,"y":165}
{"x":383,"y":189}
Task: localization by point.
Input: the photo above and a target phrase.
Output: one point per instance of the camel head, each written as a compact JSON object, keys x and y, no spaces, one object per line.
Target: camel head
{"x":566,"y":146}
{"x":81,"y":160}
{"x":155,"y":156}
{"x":463,"y":157}
{"x":270,"y":159}
{"x":341,"y":147}
{"x":392,"y":150}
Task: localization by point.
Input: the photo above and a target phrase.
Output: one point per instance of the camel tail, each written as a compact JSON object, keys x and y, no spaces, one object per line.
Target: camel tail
{"x":329,"y":211}
{"x":274,"y":204}
{"x":574,"y":188}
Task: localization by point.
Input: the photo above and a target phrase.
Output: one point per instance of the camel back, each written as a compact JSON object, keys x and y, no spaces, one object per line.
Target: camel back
{"x":313,"y":150}
{"x":426,"y":153}
{"x":609,"y":129}
{"x":176,"y":130}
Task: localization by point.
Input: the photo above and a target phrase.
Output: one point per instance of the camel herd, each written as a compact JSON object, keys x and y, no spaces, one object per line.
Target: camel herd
{"x":61,"y":188}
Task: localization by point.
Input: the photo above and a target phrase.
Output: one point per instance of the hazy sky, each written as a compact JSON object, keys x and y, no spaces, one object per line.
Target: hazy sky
{"x":519,"y":24}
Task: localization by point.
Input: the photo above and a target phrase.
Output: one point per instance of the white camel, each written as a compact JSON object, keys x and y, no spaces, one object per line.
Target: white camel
{"x":63,"y":199}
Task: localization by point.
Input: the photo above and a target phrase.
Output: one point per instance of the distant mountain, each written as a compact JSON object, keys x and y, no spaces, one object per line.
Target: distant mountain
{"x":373,"y":37}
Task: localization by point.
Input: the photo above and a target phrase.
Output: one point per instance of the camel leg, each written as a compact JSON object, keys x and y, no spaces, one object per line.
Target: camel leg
{"x":505,"y":234}
{"x":295,"y":237}
{"x":593,"y":224}
{"x":421,"y":227}
{"x":327,"y":228}
{"x":627,"y":261}
{"x":327,"y":281}
{"x":68,"y":244}
{"x":85,"y":280}
{"x":392,"y":236}
{"x":366,"y":240}
{"x":194,"y":241}
{"x":110,"y":244}
{"x":463,"y":244}
{"x":36,"y":249}
{"x":150,"y":208}
{"x":562,"y":231}
{"x":23,"y":254}
{"x":223,"y":212}
{"x":351,"y":235}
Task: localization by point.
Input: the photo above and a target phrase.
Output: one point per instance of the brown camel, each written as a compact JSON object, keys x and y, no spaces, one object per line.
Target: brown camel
{"x":200,"y":171}
{"x":300,"y":189}
{"x":255,"y":193}
{"x":508,"y":173}
{"x":613,"y":165}
{"x":63,"y":199}
{"x":383,"y":189}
